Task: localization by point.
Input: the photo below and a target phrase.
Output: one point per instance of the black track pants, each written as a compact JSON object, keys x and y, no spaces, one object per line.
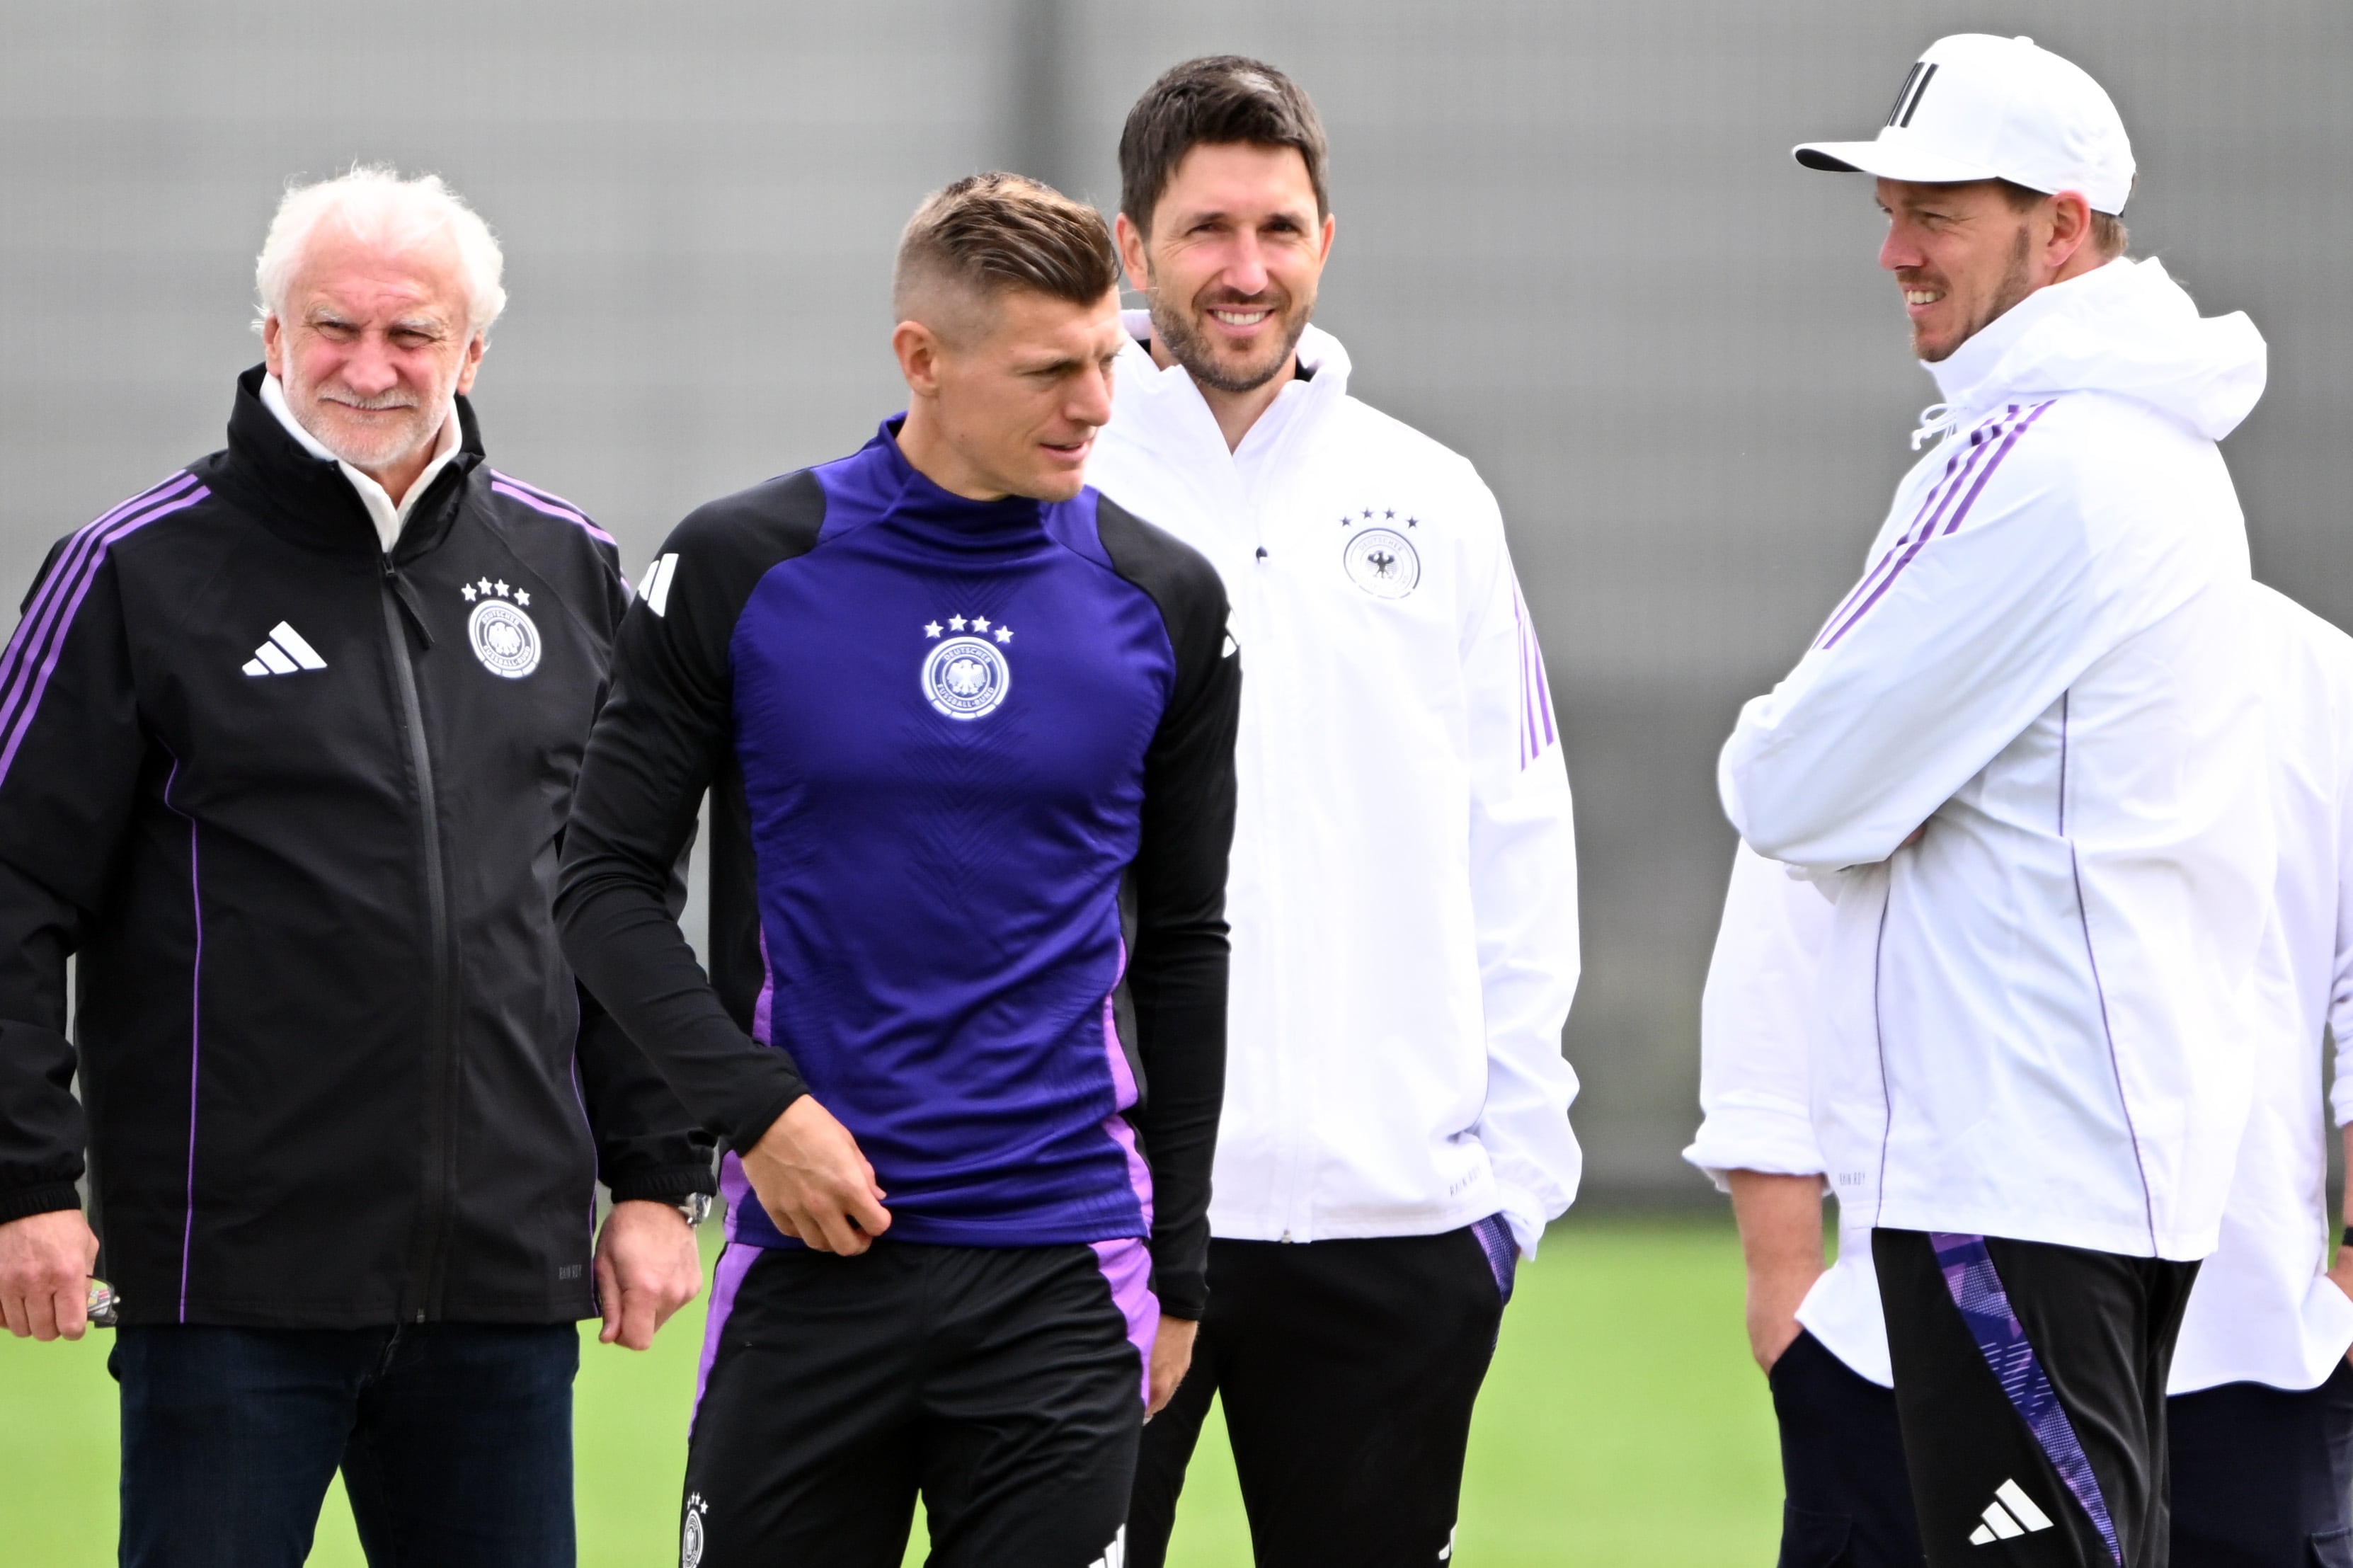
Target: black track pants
{"x":1001,"y":1382}
{"x":2263,"y":1478}
{"x":1347,"y":1371}
{"x":1847,"y":1503}
{"x":2029,"y":1382}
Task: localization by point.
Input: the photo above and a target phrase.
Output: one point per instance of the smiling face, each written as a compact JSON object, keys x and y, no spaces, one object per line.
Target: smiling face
{"x":372,"y":345}
{"x":1231,"y":262}
{"x":1010,"y":405}
{"x":1963,"y":255}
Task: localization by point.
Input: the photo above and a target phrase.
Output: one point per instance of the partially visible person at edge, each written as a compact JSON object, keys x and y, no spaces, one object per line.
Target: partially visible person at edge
{"x":1404,"y":886}
{"x":289,"y":740}
{"x":2026,"y":753}
{"x":2260,"y":1407}
{"x":967,"y":728}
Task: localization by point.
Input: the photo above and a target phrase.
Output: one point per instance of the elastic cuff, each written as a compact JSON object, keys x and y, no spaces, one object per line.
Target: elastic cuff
{"x":665,"y":1184}
{"x":22,"y":1203}
{"x":1184,"y":1296}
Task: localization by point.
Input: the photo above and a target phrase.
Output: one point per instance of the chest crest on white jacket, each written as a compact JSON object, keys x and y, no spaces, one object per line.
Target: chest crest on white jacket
{"x":1377,"y":550}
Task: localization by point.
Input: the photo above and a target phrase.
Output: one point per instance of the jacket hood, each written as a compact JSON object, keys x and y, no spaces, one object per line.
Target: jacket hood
{"x":2126,"y":328}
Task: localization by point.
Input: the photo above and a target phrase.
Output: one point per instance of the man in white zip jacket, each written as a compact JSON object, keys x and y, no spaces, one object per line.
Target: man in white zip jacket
{"x":2261,"y":1397}
{"x":1403,"y":887}
{"x":2030,"y":747}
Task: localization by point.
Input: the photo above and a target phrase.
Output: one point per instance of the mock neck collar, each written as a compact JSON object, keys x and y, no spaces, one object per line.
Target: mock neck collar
{"x":920,"y":499}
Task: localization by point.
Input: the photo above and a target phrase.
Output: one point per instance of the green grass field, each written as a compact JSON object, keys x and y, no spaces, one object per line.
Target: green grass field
{"x":1622,"y":1425}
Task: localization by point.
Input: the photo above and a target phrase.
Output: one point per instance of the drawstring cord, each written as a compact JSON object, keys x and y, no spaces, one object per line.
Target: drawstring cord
{"x":1936,"y":420}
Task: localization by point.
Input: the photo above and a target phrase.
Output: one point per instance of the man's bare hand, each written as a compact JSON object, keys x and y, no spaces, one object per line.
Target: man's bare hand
{"x":1172,"y":1356}
{"x":1781,"y":1239}
{"x":45,"y":1264}
{"x":647,"y":1268}
{"x":814,"y":1184}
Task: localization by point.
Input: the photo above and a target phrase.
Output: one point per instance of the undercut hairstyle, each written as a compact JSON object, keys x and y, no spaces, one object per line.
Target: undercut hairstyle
{"x":972,"y":241}
{"x":1218,"y":98}
{"x":2109,"y":236}
{"x":372,"y":203}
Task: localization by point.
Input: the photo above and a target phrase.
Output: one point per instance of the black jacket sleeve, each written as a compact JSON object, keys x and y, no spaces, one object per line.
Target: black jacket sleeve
{"x":1176,"y":977}
{"x":71,"y":760}
{"x":648,"y":1145}
{"x":658,"y":744}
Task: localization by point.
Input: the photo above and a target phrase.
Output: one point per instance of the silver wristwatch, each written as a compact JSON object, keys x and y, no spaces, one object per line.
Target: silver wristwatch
{"x":696,"y":1208}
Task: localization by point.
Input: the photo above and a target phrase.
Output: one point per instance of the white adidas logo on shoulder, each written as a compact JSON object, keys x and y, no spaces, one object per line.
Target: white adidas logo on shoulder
{"x":655,"y":588}
{"x":2020,"y":1517}
{"x":283,"y":654}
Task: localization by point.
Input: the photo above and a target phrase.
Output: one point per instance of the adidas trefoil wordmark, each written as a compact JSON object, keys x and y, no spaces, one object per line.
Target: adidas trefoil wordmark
{"x":283,"y":653}
{"x":2011,"y":1513}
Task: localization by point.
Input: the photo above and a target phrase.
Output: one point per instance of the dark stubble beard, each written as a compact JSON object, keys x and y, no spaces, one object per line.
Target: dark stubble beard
{"x":2016,"y":283}
{"x":1173,"y":330}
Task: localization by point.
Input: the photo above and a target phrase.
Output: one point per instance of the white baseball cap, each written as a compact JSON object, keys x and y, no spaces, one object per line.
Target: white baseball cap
{"x":1975,"y":106}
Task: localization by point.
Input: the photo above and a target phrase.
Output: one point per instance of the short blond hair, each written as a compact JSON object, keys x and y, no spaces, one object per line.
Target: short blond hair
{"x":988,"y":233}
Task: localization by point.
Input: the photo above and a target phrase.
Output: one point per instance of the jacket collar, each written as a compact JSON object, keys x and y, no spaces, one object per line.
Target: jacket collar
{"x":1170,"y":400}
{"x":306,"y":499}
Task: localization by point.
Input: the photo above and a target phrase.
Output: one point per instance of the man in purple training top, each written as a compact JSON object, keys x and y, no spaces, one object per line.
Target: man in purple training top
{"x":968,"y":731}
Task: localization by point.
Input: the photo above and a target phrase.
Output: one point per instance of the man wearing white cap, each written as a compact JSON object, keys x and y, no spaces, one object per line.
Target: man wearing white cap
{"x":2027,"y":754}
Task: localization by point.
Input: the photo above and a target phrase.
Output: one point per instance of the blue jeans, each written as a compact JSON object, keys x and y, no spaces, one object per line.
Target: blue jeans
{"x":455,"y":1441}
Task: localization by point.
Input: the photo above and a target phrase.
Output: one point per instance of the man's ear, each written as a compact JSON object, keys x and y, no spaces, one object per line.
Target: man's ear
{"x":2070,"y":228}
{"x":475,"y":348}
{"x":919,"y":350}
{"x":1131,"y":259}
{"x":273,"y":344}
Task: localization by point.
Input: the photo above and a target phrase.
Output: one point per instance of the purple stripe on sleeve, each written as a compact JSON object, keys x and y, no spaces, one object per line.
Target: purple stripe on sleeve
{"x":1127,"y":1266}
{"x":735,"y":1262}
{"x":1976,"y":1290}
{"x":42,"y":612}
{"x":54,"y":642}
{"x":1969,"y":450}
{"x":506,"y":486}
{"x":1923,"y":527}
{"x":1528,"y":688}
{"x":1959,"y":514}
{"x":764,"y":1011}
{"x":1122,"y":1086}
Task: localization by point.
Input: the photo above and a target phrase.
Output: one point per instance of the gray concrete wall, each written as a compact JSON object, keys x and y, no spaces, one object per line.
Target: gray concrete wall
{"x":1571,"y":245}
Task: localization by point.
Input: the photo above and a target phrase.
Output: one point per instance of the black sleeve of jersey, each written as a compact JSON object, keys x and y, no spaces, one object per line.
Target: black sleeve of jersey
{"x":1177,"y":973}
{"x":66,"y":799}
{"x":665,"y":734}
{"x":648,"y":1146}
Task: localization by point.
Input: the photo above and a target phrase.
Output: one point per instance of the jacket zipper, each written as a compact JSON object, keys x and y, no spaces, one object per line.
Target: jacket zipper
{"x":429,"y":1248}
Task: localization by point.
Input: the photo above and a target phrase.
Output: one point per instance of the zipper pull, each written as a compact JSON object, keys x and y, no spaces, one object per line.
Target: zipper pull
{"x":1262,"y":552}
{"x":398,"y":587}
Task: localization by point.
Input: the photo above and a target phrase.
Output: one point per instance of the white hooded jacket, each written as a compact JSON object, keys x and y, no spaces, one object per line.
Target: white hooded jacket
{"x":1403,"y":895}
{"x":2263,"y":1310}
{"x":2044,"y":669}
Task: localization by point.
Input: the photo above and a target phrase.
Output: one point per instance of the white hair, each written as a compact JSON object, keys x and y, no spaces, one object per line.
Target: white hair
{"x":372,"y":203}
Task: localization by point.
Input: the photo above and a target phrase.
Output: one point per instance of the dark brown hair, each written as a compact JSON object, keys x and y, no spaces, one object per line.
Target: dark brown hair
{"x":987,"y":232}
{"x":2109,"y":236}
{"x":1213,"y":100}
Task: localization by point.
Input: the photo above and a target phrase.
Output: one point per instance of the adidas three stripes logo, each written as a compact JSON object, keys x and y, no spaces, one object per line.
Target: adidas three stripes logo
{"x":2011,"y":1513}
{"x":284,"y":653}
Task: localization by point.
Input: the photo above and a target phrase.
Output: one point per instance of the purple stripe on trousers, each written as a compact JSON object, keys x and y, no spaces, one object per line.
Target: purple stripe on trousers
{"x":1976,"y":1290}
{"x":196,"y":1032}
{"x":56,"y":644}
{"x":735,"y":1261}
{"x":1503,"y":1251}
{"x":75,"y":560}
{"x":68,"y":560}
{"x":1127,"y":1266}
{"x":1959,"y":513}
{"x":536,"y":503}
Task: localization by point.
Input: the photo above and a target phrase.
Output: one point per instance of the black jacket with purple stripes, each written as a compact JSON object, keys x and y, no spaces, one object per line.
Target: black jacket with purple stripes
{"x":295,"y":808}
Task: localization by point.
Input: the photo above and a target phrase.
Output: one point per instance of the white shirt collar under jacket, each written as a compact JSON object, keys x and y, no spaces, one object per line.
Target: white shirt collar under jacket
{"x":389,"y":519}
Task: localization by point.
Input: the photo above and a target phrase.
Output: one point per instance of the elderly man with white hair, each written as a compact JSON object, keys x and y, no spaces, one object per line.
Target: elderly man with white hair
{"x":287,"y":745}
